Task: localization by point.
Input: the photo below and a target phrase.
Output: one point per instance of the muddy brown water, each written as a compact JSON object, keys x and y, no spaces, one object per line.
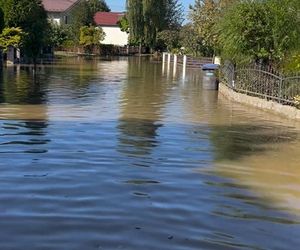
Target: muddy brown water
{"x":116,"y":154}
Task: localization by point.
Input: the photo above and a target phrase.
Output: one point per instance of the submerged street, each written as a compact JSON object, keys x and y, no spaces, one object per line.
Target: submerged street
{"x":116,"y":154}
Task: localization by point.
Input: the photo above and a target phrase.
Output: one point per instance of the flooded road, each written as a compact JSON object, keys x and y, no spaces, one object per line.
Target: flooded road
{"x":116,"y":154}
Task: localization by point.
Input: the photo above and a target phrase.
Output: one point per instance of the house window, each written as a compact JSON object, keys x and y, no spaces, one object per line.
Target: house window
{"x":66,"y":19}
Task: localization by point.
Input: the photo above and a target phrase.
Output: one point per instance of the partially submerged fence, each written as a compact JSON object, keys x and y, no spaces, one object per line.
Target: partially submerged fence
{"x":262,"y":82}
{"x":184,"y":61}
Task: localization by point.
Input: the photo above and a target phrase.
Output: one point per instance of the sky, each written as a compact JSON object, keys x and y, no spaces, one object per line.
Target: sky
{"x":119,"y":5}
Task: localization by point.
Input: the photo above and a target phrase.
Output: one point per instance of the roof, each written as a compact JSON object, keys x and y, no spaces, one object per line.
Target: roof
{"x":108,"y":18}
{"x":58,"y":5}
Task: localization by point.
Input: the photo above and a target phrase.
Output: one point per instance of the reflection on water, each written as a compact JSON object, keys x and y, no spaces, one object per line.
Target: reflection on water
{"x":116,"y":154}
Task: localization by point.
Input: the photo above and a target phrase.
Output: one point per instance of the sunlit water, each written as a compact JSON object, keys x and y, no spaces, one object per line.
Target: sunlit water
{"x":116,"y":154}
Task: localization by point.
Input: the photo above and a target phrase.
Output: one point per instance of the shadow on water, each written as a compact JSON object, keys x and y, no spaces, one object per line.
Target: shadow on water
{"x":137,"y":137}
{"x":19,"y":85}
{"x":236,"y":141}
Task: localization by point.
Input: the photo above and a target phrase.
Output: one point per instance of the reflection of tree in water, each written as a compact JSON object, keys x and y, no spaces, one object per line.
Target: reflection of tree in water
{"x":142,"y":99}
{"x":20,"y":86}
{"x":236,"y":141}
{"x":137,"y":136}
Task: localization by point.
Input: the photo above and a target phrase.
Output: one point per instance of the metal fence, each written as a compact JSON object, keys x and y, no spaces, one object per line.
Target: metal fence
{"x":262,"y":82}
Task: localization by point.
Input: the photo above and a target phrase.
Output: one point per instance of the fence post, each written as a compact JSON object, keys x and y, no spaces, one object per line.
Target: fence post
{"x":280,"y":89}
{"x":175,"y":65}
{"x":163,"y":62}
{"x":184,"y":66}
{"x":169,"y":62}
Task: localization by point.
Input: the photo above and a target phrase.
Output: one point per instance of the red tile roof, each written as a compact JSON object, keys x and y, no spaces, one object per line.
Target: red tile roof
{"x":108,"y":18}
{"x":58,"y":5}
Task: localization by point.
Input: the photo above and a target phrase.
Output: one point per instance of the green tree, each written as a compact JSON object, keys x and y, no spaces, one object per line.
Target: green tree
{"x":169,"y":39}
{"x":58,"y":34}
{"x":193,"y":43}
{"x":124,"y":24}
{"x":147,"y":18}
{"x":91,"y":37}
{"x":97,"y":5}
{"x":11,"y":37}
{"x":261,"y":31}
{"x":1,"y":19}
{"x":83,"y":15}
{"x":31,"y":17}
{"x":205,"y":15}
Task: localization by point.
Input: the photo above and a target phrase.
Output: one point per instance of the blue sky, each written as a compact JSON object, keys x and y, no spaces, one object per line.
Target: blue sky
{"x":119,"y":5}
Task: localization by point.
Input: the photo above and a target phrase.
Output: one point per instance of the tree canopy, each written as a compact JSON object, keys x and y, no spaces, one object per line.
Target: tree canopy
{"x":146,"y":18}
{"x":11,"y":37}
{"x":30,"y":16}
{"x":260,"y":30}
{"x":90,"y":37}
{"x":83,"y":15}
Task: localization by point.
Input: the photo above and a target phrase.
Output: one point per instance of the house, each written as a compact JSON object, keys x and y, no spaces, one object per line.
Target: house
{"x":108,"y":21}
{"x":59,"y":11}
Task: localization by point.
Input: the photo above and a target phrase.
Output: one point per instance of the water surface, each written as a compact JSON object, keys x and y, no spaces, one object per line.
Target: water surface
{"x":118,"y":154}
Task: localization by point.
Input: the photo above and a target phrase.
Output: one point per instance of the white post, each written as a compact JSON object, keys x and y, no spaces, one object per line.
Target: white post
{"x":175,"y":65}
{"x":169,"y":62}
{"x":163,"y":62}
{"x":184,"y":66}
{"x":164,"y":57}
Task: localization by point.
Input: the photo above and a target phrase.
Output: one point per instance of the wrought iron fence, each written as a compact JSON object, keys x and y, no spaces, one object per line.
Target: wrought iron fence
{"x":262,"y":82}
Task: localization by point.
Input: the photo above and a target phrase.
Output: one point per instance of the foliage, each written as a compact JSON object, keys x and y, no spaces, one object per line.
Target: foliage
{"x":1,"y":19}
{"x":170,"y":39}
{"x":292,"y":63}
{"x":58,"y":34}
{"x":193,"y":43}
{"x":31,"y":17}
{"x":124,"y":24}
{"x":83,"y":15}
{"x":97,"y":5}
{"x":260,"y":30}
{"x":90,"y":37}
{"x":147,"y":18}
{"x":11,"y":37}
{"x":205,"y":15}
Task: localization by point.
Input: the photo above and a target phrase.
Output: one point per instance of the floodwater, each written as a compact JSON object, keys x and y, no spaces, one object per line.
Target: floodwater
{"x":118,"y":154}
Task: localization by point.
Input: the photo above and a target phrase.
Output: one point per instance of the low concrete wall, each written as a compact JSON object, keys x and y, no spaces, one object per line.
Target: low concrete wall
{"x":283,"y":110}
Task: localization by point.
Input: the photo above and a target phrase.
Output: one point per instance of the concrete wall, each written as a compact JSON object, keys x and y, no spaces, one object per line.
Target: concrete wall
{"x":114,"y":36}
{"x":282,"y":110}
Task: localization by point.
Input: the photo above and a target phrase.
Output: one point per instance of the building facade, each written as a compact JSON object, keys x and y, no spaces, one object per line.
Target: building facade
{"x":108,"y":21}
{"x":59,"y":11}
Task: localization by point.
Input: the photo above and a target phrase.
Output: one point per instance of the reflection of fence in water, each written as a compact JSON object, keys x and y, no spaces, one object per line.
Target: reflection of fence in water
{"x":262,"y":82}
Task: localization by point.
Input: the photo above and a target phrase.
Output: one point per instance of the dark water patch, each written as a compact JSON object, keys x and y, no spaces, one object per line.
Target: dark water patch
{"x":236,"y":141}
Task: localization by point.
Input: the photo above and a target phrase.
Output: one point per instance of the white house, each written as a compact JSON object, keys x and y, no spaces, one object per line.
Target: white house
{"x":108,"y":21}
{"x":59,"y":11}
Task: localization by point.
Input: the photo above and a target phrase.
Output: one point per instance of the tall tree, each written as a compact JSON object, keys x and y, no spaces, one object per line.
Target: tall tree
{"x":83,"y":15}
{"x":30,"y":16}
{"x":261,"y":30}
{"x":148,"y":17}
{"x":205,"y":15}
{"x":135,"y":20}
